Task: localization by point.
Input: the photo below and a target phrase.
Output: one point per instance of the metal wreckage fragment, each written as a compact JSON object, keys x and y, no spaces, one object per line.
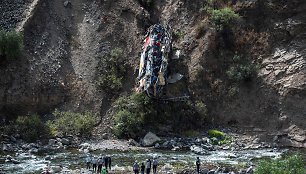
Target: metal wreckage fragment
{"x":152,"y":76}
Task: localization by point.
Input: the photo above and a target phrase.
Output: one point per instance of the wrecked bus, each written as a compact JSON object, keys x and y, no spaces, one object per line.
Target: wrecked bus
{"x":152,"y":75}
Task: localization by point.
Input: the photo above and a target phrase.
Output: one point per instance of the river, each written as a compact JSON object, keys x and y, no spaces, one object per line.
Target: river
{"x":72,"y":159}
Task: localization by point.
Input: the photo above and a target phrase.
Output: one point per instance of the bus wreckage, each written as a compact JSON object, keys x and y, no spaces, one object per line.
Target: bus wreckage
{"x":152,"y":75}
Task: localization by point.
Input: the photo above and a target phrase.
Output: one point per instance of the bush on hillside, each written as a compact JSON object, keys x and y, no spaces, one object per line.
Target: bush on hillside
{"x":136,"y":114}
{"x":241,"y":70}
{"x":70,"y":123}
{"x":31,"y":128}
{"x":11,"y":44}
{"x":201,"y":109}
{"x":290,"y":165}
{"x":110,"y":71}
{"x":133,"y":113}
{"x":224,"y":17}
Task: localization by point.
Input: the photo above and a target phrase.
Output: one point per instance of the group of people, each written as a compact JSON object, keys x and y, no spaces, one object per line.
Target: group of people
{"x":146,"y":167}
{"x":99,"y":164}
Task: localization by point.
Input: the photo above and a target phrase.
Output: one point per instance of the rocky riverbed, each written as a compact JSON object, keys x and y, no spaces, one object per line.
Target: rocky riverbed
{"x":175,"y":155}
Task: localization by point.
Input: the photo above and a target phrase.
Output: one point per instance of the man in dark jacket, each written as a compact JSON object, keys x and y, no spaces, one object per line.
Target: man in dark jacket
{"x":198,"y":163}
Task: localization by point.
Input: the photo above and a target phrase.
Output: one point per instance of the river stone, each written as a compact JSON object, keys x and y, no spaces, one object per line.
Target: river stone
{"x":52,"y":142}
{"x":198,"y":150}
{"x":150,"y":139}
{"x":205,"y":170}
{"x":5,"y":147}
{"x":250,"y":170}
{"x":33,"y":150}
{"x":242,"y":171}
{"x":84,"y":145}
{"x":65,"y":141}
{"x":211,"y":172}
{"x":167,"y":167}
{"x":132,"y":142}
{"x":105,"y":136}
{"x":56,"y":169}
{"x":48,"y":157}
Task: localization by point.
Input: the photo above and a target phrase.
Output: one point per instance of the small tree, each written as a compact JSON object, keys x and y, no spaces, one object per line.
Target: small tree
{"x":11,"y":44}
{"x":110,"y":71}
{"x":70,"y":123}
{"x":224,"y":17}
{"x":31,"y":128}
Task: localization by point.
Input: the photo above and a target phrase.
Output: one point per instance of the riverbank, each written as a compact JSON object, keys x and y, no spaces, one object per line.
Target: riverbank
{"x":175,"y":154}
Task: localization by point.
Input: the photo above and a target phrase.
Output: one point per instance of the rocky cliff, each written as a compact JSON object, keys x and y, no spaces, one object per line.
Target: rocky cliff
{"x":64,"y":39}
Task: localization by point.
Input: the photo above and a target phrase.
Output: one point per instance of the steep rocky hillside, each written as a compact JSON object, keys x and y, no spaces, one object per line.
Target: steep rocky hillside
{"x":64,"y":40}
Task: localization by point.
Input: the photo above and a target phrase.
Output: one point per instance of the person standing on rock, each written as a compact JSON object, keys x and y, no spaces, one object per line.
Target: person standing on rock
{"x":106,"y":162}
{"x":155,"y":163}
{"x":109,"y":160}
{"x":148,"y":166}
{"x":88,"y":161}
{"x":142,"y":168}
{"x":198,"y":163}
{"x":94,"y":164}
{"x":136,"y":167}
{"x":100,"y":164}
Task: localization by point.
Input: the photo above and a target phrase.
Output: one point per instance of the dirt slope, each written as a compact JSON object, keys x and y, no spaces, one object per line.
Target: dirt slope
{"x":63,"y":41}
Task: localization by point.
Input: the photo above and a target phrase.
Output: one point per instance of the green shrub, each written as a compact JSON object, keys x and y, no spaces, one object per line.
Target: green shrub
{"x":70,"y":123}
{"x":241,"y":72}
{"x":31,"y":128}
{"x":132,"y":114}
{"x":218,"y":137}
{"x":216,"y":133}
{"x":241,"y":69}
{"x":224,"y":17}
{"x":201,"y":109}
{"x":136,"y":114}
{"x":11,"y":44}
{"x":290,"y":165}
{"x":232,"y":91}
{"x":110,"y":71}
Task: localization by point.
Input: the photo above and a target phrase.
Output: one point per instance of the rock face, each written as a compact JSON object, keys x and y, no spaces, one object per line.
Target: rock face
{"x":62,"y":46}
{"x":150,"y":139}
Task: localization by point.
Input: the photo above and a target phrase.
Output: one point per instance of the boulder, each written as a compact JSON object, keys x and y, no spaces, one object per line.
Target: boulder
{"x":150,"y":139}
{"x":198,"y":150}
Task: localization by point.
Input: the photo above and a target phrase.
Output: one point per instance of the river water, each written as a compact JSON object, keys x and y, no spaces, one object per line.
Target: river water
{"x":72,"y":159}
